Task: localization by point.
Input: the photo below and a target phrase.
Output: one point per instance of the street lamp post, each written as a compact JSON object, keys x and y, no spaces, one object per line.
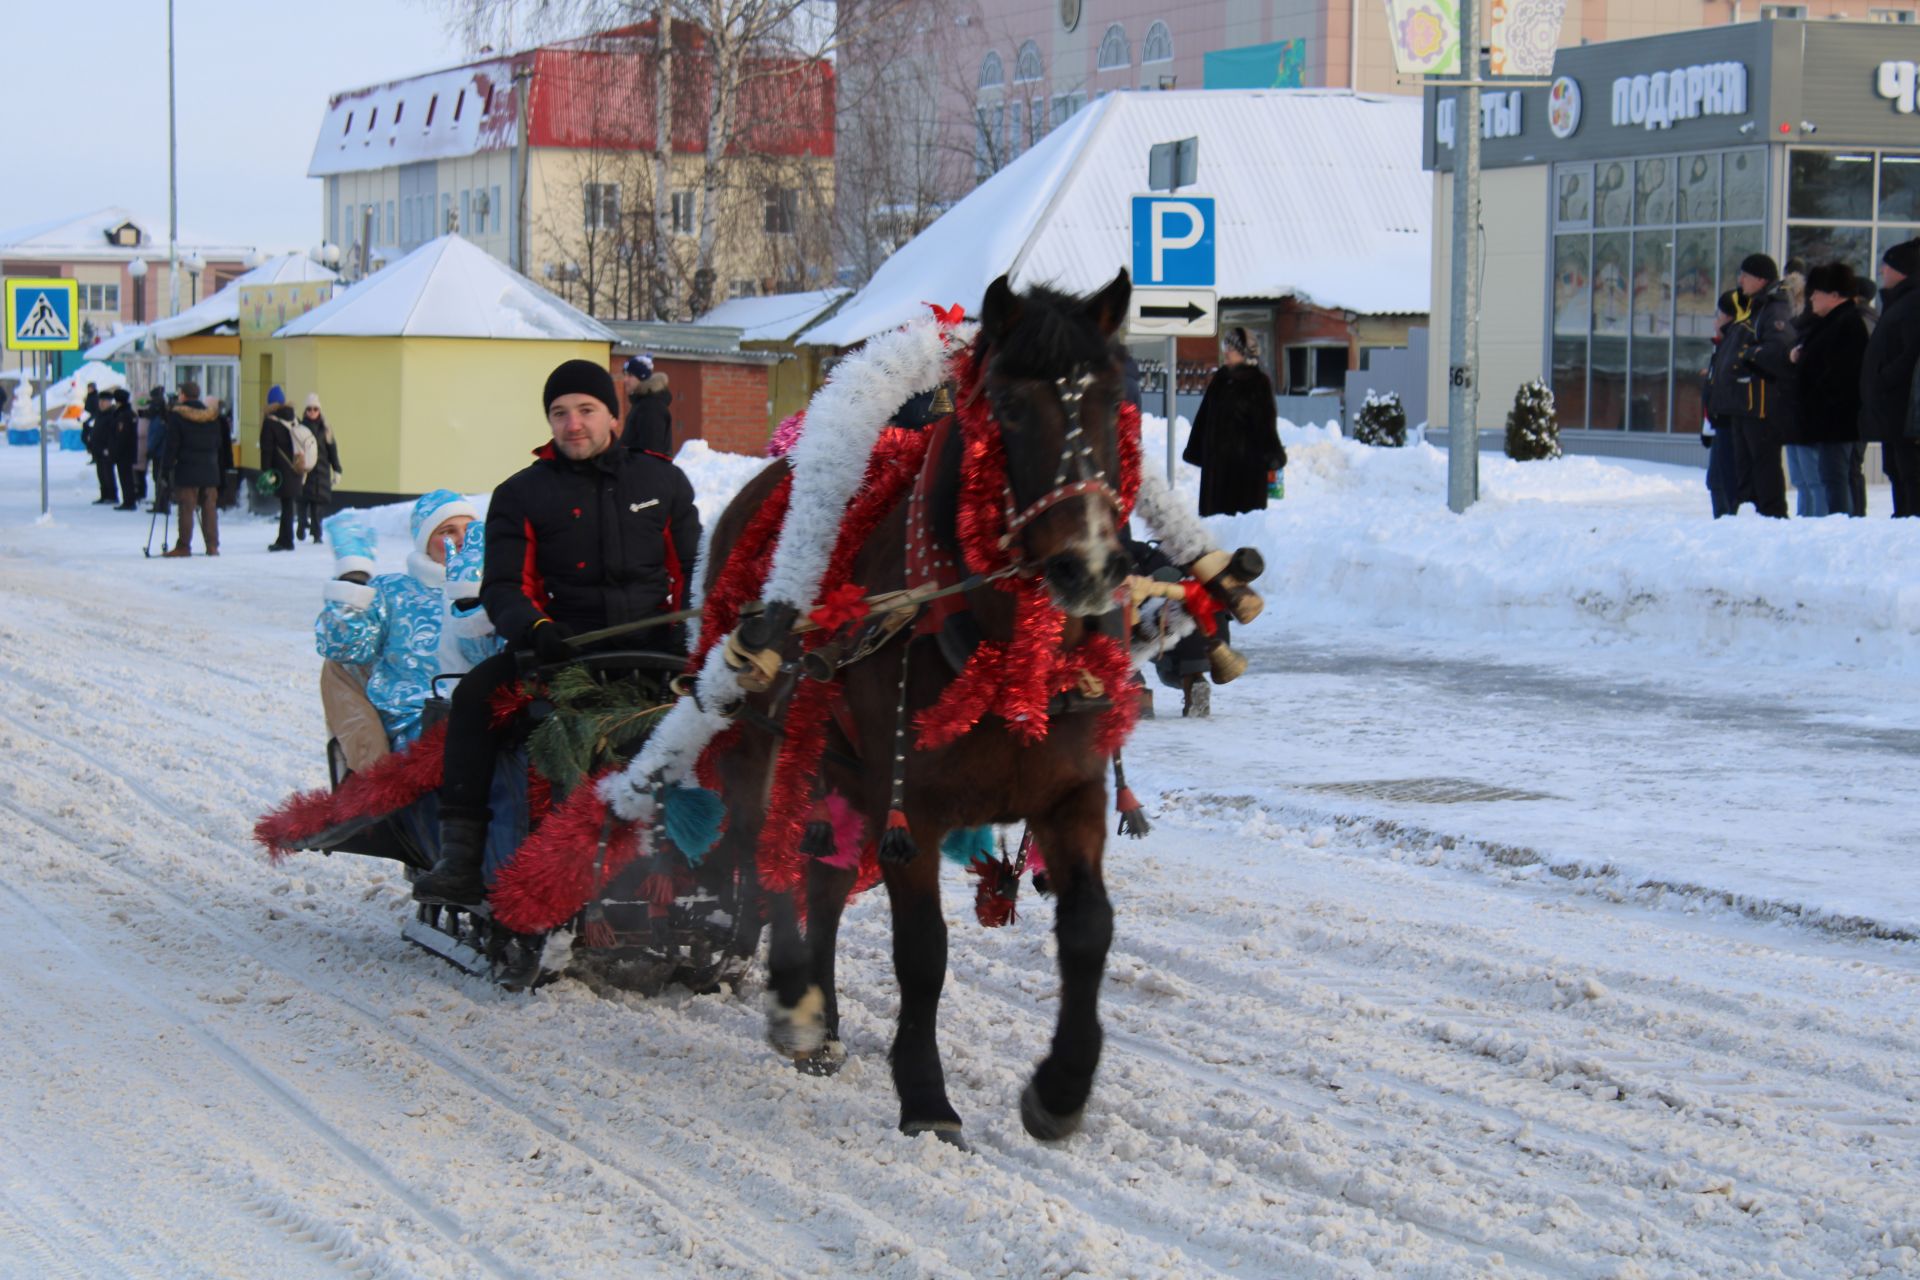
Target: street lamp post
{"x":173,"y":182}
{"x":194,"y":264}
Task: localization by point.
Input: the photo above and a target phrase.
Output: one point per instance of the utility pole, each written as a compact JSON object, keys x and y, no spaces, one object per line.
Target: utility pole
{"x":1463,"y":392}
{"x":173,"y":182}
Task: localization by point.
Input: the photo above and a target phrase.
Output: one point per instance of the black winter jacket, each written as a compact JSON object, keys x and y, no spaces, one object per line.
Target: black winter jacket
{"x":122,"y":432}
{"x":1765,"y":381}
{"x":276,"y":450}
{"x":1886,"y":372}
{"x":196,"y":441}
{"x":589,"y":544}
{"x":649,"y":422}
{"x":1830,"y":378}
{"x":317,"y":487}
{"x":1235,"y":441}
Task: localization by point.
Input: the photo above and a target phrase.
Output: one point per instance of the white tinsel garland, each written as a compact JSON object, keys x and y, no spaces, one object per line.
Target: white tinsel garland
{"x":1182,"y":537}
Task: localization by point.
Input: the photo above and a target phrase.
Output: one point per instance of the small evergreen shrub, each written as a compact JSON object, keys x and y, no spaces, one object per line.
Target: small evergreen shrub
{"x":1381,"y":421}
{"x":1533,"y":432}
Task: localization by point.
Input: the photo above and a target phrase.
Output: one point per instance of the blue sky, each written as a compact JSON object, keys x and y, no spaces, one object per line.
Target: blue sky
{"x":253,"y":78}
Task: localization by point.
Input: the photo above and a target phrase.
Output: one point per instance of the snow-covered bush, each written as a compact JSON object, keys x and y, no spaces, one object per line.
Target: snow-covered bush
{"x":1381,"y":421}
{"x":1533,"y":432}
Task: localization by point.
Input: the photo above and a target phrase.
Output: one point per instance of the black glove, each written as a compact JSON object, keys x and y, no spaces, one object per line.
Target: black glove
{"x":1706,"y":441}
{"x":550,"y":642}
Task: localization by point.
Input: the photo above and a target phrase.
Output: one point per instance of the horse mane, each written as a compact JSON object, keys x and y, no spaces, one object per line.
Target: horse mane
{"x":1053,"y":335}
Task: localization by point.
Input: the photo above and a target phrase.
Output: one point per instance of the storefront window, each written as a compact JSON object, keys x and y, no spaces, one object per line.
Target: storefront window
{"x":1815,"y":245}
{"x":1889,"y":237}
{"x":1899,"y":188}
{"x":1831,"y":185}
{"x":1637,"y":307}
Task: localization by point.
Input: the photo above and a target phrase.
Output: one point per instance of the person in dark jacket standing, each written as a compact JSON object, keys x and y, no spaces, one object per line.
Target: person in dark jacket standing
{"x":1887,"y":372}
{"x":96,"y":433}
{"x":1723,"y":398}
{"x":1235,"y":439}
{"x":1829,"y":414}
{"x":591,"y":535}
{"x":196,"y":440}
{"x":1764,"y":383}
{"x":123,"y":444}
{"x":316,"y":489}
{"x":277,"y":454}
{"x":649,"y":424}
{"x":159,"y":459}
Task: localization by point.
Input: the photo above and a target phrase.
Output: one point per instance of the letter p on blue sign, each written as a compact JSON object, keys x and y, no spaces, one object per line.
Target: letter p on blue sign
{"x":1173,"y":241}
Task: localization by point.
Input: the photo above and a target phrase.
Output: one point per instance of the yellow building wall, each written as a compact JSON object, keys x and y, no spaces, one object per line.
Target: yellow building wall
{"x":1513,"y":290}
{"x":359,"y":383}
{"x":792,"y":382}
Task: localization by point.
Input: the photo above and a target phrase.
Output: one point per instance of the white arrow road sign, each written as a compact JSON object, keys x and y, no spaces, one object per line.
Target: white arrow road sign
{"x":1173,"y":313}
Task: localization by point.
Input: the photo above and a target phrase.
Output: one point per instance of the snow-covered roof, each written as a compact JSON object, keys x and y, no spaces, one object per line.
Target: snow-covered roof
{"x":1319,"y":193}
{"x":216,"y":309}
{"x":448,"y":288}
{"x":86,"y":237}
{"x":774,"y":318}
{"x":437,"y":116}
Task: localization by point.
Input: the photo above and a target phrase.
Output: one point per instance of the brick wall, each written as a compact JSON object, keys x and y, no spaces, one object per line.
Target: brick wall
{"x":723,"y":404}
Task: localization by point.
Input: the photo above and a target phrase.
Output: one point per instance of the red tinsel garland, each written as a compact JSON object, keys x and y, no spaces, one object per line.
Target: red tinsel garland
{"x":744,"y":573}
{"x":552,"y":872}
{"x":391,"y":783}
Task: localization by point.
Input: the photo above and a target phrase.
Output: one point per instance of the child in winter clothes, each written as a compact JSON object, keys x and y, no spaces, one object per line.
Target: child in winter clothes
{"x":408,"y":627}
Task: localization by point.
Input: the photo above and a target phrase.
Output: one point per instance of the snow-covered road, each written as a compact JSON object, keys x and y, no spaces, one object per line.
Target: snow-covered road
{"x":1337,"y":1046}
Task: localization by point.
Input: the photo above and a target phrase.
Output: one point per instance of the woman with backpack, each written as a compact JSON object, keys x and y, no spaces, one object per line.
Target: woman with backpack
{"x":281,"y":457}
{"x":316,"y":502}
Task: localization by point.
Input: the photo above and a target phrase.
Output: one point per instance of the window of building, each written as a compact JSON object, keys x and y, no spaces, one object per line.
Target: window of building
{"x":486,"y":104}
{"x":1115,"y":53}
{"x":446,"y":214}
{"x":602,"y":205}
{"x":373,"y":118}
{"x":466,"y":211}
{"x":783,"y":210}
{"x":989,"y":139}
{"x":1848,"y":205}
{"x":100,"y":297}
{"x":399,"y":110}
{"x":1036,"y":120}
{"x":406,"y":220}
{"x":1903,"y":16}
{"x":744,"y":289}
{"x":392,"y":224}
{"x":1158,"y":46}
{"x":347,"y":128}
{"x":993,"y":72}
{"x":681,"y":213}
{"x":1066,"y":105}
{"x":1642,"y":250}
{"x":1027,"y":64}
{"x":432,"y":103}
{"x":459,"y":104}
{"x":498,"y":210}
{"x":1783,"y":11}
{"x":1316,"y":368}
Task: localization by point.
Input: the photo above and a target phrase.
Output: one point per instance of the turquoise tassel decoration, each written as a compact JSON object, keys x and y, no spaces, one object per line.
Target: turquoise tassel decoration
{"x":693,"y":816}
{"x":967,"y":845}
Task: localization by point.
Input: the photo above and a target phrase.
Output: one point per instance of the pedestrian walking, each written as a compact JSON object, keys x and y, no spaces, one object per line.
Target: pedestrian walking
{"x":196,"y":441}
{"x":1235,"y":439}
{"x":316,"y":500}
{"x":1827,"y":424}
{"x":649,"y":423}
{"x":1886,"y":375}
{"x":280,"y":456}
{"x":1765,"y":384}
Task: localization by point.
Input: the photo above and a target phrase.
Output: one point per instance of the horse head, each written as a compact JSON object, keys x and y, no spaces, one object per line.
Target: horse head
{"x":1052,"y":376}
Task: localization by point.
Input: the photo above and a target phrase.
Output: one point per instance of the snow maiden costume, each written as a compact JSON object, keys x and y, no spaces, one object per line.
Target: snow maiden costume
{"x":403,"y":626}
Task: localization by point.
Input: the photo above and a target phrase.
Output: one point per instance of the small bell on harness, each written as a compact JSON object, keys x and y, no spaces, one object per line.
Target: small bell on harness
{"x":1133,"y":815}
{"x":896,"y":842}
{"x":942,"y":400}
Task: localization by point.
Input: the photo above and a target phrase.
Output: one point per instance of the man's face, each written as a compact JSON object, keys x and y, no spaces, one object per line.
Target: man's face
{"x":1750,"y":284}
{"x":582,"y":426}
{"x":453,"y":528}
{"x":1889,"y":278}
{"x":633,"y":385}
{"x":1823,"y":302}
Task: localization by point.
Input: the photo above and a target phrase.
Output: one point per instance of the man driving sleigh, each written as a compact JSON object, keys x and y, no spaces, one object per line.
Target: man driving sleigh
{"x":587,"y":536}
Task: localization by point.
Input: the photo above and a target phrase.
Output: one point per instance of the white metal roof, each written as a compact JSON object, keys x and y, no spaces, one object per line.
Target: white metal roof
{"x":1320,"y":196}
{"x":85,"y":236}
{"x":472,"y":109}
{"x":773,"y":318}
{"x":448,"y":288}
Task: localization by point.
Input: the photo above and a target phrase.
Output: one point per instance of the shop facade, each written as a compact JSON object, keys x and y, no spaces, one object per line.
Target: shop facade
{"x":1618,"y":202}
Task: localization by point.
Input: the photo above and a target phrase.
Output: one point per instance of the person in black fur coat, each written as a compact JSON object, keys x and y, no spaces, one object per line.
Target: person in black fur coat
{"x":1236,"y":439}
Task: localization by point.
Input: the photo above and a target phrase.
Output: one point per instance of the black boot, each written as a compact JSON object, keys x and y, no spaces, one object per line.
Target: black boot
{"x":456,"y":877}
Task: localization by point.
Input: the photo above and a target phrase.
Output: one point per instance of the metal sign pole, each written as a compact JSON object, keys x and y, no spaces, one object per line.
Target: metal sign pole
{"x":40,"y":362}
{"x":1173,"y":359}
{"x":1463,"y":392}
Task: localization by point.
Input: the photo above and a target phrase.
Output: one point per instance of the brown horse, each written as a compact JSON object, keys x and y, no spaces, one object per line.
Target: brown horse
{"x":1052,"y":376}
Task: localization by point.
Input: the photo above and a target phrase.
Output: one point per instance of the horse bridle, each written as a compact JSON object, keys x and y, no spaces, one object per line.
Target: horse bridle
{"x":1076,"y":455}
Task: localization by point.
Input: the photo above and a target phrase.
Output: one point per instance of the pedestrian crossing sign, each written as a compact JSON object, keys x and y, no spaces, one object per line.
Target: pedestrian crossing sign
{"x":40,"y":315}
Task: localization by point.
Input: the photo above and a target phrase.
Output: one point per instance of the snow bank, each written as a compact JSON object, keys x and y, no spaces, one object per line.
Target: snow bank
{"x":1598,"y":551}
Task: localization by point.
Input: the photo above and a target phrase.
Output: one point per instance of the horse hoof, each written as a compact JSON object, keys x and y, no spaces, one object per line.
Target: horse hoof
{"x":947,"y":1131}
{"x":824,"y":1061}
{"x":801,"y":1031}
{"x":1041,"y":1124}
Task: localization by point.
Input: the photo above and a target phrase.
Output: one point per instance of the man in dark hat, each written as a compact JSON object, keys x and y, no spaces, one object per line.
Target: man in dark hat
{"x":590,"y":535}
{"x":1763,"y":384}
{"x":1886,"y":375}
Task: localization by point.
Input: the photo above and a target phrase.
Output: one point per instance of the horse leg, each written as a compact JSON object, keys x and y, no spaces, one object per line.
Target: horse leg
{"x":1073,"y":837}
{"x":796,"y":1008}
{"x":827,"y":890}
{"x":920,"y":967}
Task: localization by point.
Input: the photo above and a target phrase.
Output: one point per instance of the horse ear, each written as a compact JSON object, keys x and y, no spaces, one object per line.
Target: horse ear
{"x":999,"y":311}
{"x":1108,"y":308}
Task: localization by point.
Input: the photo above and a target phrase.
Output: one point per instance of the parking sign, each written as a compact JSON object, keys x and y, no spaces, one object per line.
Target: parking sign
{"x":40,"y":315}
{"x":1173,"y":241}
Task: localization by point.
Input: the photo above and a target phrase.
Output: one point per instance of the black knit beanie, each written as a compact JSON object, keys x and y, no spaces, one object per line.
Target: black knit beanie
{"x":1903,"y":257}
{"x":1831,"y":277}
{"x":581,"y":378}
{"x":1760,"y":266}
{"x":1727,"y":307}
